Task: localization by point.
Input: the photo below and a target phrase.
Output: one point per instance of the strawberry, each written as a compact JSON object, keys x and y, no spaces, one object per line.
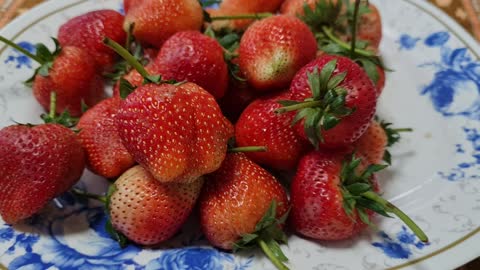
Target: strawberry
{"x":157,"y":20}
{"x":69,"y":72}
{"x":87,"y":32}
{"x":335,"y":100}
{"x":272,"y":50}
{"x":149,"y":212}
{"x":260,"y":125}
{"x":194,"y":57}
{"x":130,"y":3}
{"x":98,"y":134}
{"x":381,"y":81}
{"x":239,"y":206}
{"x":37,"y":163}
{"x":347,"y":199}
{"x":177,"y":132}
{"x":232,"y":8}
{"x":374,"y":143}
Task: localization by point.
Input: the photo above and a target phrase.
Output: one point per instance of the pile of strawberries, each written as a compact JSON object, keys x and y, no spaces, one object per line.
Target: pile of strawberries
{"x":207,"y":106}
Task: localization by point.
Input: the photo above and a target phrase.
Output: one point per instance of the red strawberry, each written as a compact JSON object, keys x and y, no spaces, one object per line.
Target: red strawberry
{"x":331,"y":200}
{"x":157,"y":20}
{"x":374,"y":143}
{"x":37,"y":163}
{"x":194,"y":57}
{"x":273,"y":50}
{"x":241,"y":7}
{"x":106,"y":154}
{"x":130,"y":3}
{"x":87,"y":31}
{"x":147,"y":211}
{"x":74,"y":78}
{"x":177,"y":132}
{"x":233,"y":202}
{"x":259,"y":125}
{"x":335,"y":99}
{"x":66,"y":71}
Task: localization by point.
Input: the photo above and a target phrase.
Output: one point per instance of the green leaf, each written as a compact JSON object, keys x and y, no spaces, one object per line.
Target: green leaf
{"x":374,"y":206}
{"x":302,"y":114}
{"x":372,"y":169}
{"x":330,"y":121}
{"x":117,"y":236}
{"x":314,"y":83}
{"x":126,"y":88}
{"x":269,"y":218}
{"x":387,"y":157}
{"x":336,"y":80}
{"x":111,"y":189}
{"x":43,"y":53}
{"x":324,"y":13}
{"x":358,"y":188}
{"x":365,"y":218}
{"x":326,"y":73}
{"x":370,"y":68}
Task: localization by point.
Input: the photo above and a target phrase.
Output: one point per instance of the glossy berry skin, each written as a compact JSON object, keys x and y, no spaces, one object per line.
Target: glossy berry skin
{"x":37,"y":163}
{"x":372,"y":144}
{"x":317,"y":202}
{"x":235,"y":198}
{"x":194,"y":57}
{"x":259,"y":125}
{"x":88,"y":30}
{"x":361,"y":96}
{"x":106,"y":154}
{"x":157,"y":20}
{"x":149,"y":212}
{"x":239,"y":7}
{"x":272,"y":50}
{"x":177,"y":132}
{"x":130,"y":3}
{"x":369,"y":27}
{"x":74,"y":78}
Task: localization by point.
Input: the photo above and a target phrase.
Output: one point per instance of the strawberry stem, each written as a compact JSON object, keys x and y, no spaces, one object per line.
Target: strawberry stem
{"x":255,"y":16}
{"x":270,"y":254}
{"x":354,"y":29}
{"x":389,"y":207}
{"x":84,"y":194}
{"x":22,"y":50}
{"x":53,"y":105}
{"x":296,"y":107}
{"x":125,"y":54}
{"x":345,"y":45}
{"x":248,"y":149}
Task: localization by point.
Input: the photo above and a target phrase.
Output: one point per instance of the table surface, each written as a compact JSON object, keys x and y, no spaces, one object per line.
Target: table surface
{"x":465,"y":12}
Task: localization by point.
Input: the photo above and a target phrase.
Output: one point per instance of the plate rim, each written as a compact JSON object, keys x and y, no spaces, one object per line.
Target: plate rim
{"x":450,"y":251}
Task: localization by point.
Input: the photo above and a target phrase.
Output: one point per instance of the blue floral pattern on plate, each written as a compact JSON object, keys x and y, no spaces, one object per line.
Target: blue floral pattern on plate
{"x":20,"y":60}
{"x":401,"y":246}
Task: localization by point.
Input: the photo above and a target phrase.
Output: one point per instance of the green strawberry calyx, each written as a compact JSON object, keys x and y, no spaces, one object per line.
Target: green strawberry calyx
{"x":268,"y":233}
{"x":42,"y":55}
{"x":360,"y":196}
{"x":105,"y":199}
{"x":64,"y":119}
{"x":133,"y":62}
{"x":326,"y":19}
{"x":327,"y":106}
{"x":393,"y":137}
